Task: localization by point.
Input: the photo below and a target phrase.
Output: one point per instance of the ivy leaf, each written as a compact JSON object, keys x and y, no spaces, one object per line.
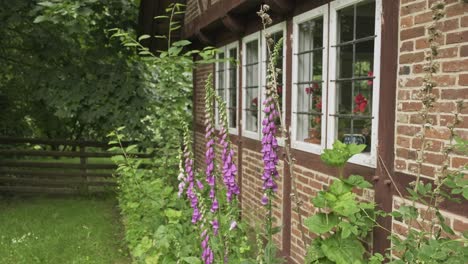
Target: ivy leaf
{"x":321,"y":223}
{"x":343,"y":251}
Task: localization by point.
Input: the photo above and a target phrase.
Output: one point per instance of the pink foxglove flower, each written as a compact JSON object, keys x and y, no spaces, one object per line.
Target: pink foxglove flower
{"x":269,"y":148}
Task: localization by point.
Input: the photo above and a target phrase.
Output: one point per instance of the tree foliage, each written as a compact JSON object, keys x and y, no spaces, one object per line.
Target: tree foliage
{"x":63,"y":76}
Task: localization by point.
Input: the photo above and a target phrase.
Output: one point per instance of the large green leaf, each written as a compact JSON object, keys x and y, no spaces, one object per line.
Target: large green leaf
{"x":346,"y":204}
{"x":343,"y":251}
{"x":321,"y":223}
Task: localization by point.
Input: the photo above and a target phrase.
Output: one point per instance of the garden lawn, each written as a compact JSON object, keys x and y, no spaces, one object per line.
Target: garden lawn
{"x":60,"y":230}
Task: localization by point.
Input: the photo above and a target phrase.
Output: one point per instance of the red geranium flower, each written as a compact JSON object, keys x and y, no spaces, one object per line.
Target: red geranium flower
{"x":370,"y":74}
{"x":361,"y":103}
{"x":279,"y":90}
{"x":255,"y":101}
{"x":318,"y":105}
{"x":312,"y":89}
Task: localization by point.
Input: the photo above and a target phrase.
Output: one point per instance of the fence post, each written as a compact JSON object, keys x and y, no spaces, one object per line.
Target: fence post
{"x":83,"y":163}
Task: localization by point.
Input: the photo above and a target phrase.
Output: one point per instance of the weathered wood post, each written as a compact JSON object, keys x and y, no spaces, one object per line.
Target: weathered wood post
{"x":83,"y":163}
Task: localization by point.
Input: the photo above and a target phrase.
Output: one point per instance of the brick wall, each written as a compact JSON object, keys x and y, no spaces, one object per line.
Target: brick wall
{"x":452,"y":79}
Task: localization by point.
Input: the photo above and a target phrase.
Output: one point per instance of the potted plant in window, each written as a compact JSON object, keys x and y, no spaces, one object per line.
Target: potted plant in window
{"x":254,"y":107}
{"x":316,"y":108}
{"x":360,"y":107}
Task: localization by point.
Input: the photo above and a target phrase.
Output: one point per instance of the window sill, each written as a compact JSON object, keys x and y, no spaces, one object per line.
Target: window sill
{"x":364,"y":159}
{"x":307,"y":147}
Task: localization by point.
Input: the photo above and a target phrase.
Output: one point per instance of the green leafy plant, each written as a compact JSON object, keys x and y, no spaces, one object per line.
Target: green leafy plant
{"x":343,"y":222}
{"x":155,"y":218}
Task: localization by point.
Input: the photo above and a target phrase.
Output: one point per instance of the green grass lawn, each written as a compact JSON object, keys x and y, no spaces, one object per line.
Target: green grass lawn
{"x":60,"y":230}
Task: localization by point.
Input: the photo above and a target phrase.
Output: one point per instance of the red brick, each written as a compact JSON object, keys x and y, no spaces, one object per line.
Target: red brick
{"x":400,"y":164}
{"x":406,"y":153}
{"x":438,"y":133}
{"x":464,"y":21}
{"x":460,"y":226}
{"x":444,"y":80}
{"x":412,"y":33}
{"x":444,"y":107}
{"x":463,"y":80}
{"x":408,"y":130}
{"x":406,"y":22}
{"x":416,"y":82}
{"x":431,"y":145}
{"x":412,"y":8}
{"x":448,"y":53}
{"x":453,"y":94}
{"x":458,"y":162}
{"x":436,"y":159}
{"x":455,"y":66}
{"x":425,"y":169}
{"x":456,"y":10}
{"x":411,"y":58}
{"x":457,"y":37}
{"x":423,"y":18}
{"x":431,"y":2}
{"x":418,"y":68}
{"x":422,"y":43}
{"x":404,"y":95}
{"x":411,"y":106}
{"x":403,"y":142}
{"x":449,"y":25}
{"x":464,"y":51}
{"x":407,"y":46}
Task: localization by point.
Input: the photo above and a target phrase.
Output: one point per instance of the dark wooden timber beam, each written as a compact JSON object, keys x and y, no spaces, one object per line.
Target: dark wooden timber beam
{"x":203,"y":38}
{"x":280,"y":6}
{"x":233,"y":24}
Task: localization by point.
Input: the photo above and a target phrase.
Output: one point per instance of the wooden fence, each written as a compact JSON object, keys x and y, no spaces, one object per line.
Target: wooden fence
{"x":57,"y":166}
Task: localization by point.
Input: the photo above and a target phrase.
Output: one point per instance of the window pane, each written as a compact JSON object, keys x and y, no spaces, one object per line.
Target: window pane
{"x":364,"y":63}
{"x":354,"y":113}
{"x":365,"y":19}
{"x":220,"y":87}
{"x":345,"y":61}
{"x":232,"y":88}
{"x":346,"y":24}
{"x":309,"y":81}
{"x":251,"y":89}
{"x":355,"y":64}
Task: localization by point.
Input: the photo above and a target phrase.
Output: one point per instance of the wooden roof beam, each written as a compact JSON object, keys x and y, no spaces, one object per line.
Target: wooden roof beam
{"x":233,"y":24}
{"x":280,"y":6}
{"x":203,"y":38}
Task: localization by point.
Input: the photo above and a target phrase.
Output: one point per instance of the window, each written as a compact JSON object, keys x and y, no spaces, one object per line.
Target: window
{"x":344,"y":104}
{"x":227,"y":83}
{"x":310,"y":79}
{"x":255,"y":56}
{"x":251,"y":85}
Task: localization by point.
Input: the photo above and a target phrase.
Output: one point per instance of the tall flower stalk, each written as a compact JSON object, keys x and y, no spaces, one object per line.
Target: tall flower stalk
{"x":272,"y":97}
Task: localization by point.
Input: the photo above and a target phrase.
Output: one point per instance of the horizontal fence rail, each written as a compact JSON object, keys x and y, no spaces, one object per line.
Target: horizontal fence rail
{"x":50,"y":170}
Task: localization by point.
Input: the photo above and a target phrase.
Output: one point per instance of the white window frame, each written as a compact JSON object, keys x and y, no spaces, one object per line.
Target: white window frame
{"x":227,"y":65}
{"x":366,"y":159}
{"x":245,"y":40}
{"x":234,"y":45}
{"x":312,"y":14}
{"x":272,"y":30}
{"x":216,"y":82}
